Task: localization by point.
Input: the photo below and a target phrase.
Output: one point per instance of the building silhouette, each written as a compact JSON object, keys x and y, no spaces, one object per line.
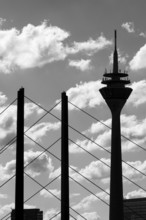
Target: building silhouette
{"x":135,"y":209}
{"x":29,"y":214}
{"x":115,"y":94}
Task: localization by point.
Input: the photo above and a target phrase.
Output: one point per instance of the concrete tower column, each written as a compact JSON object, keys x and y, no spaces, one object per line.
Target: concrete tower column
{"x":64,"y":160}
{"x":19,"y":186}
{"x":115,"y":95}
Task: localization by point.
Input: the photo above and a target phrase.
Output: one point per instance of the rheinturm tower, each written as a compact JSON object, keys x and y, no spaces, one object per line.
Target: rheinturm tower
{"x":116,"y":94}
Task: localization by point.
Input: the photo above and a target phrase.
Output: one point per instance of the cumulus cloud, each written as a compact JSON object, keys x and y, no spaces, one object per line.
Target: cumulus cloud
{"x":133,"y":174}
{"x":100,"y":135}
{"x":86,"y":203}
{"x":83,"y":65}
{"x":9,"y":118}
{"x":3,"y":196}
{"x":96,"y":170}
{"x":122,"y":58}
{"x":138,"y":95}
{"x":2,"y":21}
{"x":90,"y":46}
{"x":8,"y":208}
{"x":139,"y":60}
{"x":35,"y":46}
{"x":135,"y":194}
{"x":3,"y":98}
{"x":38,"y":131}
{"x":89,"y":216}
{"x":142,"y":34}
{"x":30,"y":108}
{"x":41,"y":164}
{"x":55,"y":173}
{"x":85,"y":94}
{"x":100,"y":171}
{"x":51,"y":213}
{"x":128,"y":26}
{"x":102,"y":141}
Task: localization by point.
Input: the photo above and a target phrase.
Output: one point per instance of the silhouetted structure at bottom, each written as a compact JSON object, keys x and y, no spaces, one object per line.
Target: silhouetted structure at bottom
{"x":135,"y":209}
{"x":30,"y":214}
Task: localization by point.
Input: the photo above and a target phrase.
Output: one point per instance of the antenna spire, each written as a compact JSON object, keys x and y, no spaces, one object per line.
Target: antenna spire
{"x":115,"y":57}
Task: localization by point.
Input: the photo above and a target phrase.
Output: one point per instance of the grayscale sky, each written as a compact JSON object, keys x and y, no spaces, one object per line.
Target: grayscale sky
{"x":51,"y":46}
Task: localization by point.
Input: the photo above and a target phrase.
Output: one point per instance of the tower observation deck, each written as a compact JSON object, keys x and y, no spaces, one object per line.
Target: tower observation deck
{"x":115,"y":94}
{"x":116,"y":80}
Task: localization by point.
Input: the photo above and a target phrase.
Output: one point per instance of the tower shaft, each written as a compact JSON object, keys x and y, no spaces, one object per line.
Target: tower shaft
{"x":116,"y":184}
{"x":19,"y":187}
{"x":116,"y":95}
{"x":64,"y":160}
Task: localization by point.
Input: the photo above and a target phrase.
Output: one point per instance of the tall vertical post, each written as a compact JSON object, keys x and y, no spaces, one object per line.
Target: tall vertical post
{"x":19,"y":186}
{"x":64,"y":160}
{"x":116,"y":94}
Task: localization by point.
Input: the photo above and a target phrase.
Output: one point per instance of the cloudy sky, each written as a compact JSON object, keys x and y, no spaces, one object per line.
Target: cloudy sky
{"x":51,"y":46}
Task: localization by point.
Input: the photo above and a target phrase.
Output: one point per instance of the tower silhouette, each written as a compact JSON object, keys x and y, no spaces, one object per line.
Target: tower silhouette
{"x":115,"y":94}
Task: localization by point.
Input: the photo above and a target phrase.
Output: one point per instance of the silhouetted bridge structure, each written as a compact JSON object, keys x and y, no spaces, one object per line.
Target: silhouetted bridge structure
{"x":67,"y":210}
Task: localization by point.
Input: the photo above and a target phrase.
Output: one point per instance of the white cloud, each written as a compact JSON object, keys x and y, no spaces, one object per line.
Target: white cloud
{"x":38,"y":131}
{"x":50,"y":213}
{"x":9,"y":118}
{"x":128,"y":26}
{"x":139,"y":60}
{"x":102,"y":140}
{"x":83,"y":65}
{"x":35,"y":46}
{"x":7,"y":170}
{"x":138,"y":95}
{"x":86,"y":203}
{"x":133,"y":174}
{"x":131,"y":127}
{"x":142,"y":34}
{"x":2,"y":21}
{"x":100,"y":171}
{"x":46,"y":194}
{"x":31,"y":108}
{"x":3,"y":98}
{"x":136,"y":194}
{"x":55,"y":173}
{"x":85,"y":94}
{"x":8,"y":208}
{"x":3,"y":196}
{"x":89,"y":216}
{"x":41,"y":164}
{"x":96,"y":170}
{"x":122,"y":58}
{"x":91,"y":46}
